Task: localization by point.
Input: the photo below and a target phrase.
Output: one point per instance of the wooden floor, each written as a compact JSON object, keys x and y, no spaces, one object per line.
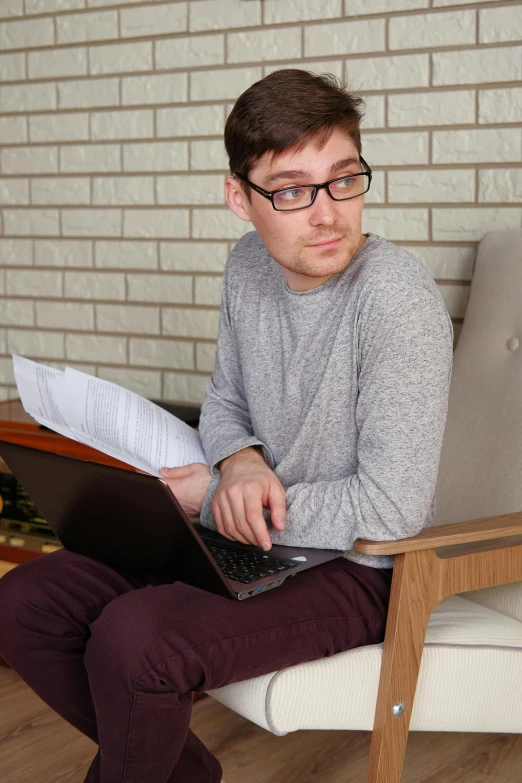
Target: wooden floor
{"x":5,"y":567}
{"x":37,"y":746}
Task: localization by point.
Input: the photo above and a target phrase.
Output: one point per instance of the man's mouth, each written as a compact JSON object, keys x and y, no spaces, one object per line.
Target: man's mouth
{"x":328,"y":243}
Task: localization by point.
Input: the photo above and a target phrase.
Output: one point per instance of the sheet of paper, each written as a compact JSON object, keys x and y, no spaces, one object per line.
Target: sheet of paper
{"x":37,"y":386}
{"x":128,"y":425}
{"x":107,"y":417}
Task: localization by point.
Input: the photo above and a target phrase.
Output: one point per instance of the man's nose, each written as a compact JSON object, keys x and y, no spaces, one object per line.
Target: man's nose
{"x":323,"y":210}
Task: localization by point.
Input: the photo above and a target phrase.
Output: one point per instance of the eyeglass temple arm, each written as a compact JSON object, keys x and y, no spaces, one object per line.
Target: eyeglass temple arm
{"x":254,"y":187}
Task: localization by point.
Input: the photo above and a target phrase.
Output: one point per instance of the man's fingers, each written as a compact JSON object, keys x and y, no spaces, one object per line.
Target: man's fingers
{"x":277,"y":503}
{"x":228,"y":528}
{"x":182,"y":472}
{"x":238,"y":526}
{"x":218,"y":518}
{"x":256,"y":521}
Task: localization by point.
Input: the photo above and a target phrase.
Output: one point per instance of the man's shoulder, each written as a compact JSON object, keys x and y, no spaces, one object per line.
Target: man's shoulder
{"x":250,"y":247}
{"x":394,"y":284}
{"x":391,"y":271}
{"x":248,"y":261}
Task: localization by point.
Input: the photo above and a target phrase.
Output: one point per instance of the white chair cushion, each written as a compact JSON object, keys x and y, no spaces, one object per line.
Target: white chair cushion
{"x":469,"y":680}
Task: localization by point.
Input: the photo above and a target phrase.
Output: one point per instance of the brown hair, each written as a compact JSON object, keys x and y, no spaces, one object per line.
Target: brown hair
{"x":286,"y":109}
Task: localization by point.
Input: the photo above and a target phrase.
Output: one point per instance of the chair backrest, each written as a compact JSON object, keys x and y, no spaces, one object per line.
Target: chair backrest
{"x":480,"y":470}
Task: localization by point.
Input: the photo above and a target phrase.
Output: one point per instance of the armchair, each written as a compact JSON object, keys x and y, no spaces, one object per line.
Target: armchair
{"x":451,"y":659}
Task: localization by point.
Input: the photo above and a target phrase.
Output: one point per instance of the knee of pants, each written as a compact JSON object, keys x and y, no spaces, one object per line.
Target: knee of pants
{"x":26,"y":603}
{"x":15,"y":586}
{"x":133,"y":636}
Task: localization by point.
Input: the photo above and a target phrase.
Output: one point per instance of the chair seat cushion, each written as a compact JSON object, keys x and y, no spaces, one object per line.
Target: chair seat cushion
{"x":469,"y":680}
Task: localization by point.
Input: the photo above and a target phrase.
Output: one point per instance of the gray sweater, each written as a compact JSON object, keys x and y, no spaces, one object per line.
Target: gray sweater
{"x":345,"y":387}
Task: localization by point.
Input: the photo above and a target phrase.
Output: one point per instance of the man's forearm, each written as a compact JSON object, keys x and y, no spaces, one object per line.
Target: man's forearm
{"x":249,"y":453}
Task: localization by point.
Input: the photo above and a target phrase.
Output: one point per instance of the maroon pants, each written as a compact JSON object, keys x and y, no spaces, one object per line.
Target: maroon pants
{"x":118,"y":655}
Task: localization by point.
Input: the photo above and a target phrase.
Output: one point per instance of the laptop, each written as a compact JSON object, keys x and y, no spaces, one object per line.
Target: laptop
{"x":133,"y":522}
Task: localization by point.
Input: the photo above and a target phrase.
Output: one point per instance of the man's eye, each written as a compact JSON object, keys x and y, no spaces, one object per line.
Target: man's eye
{"x":290,"y":195}
{"x":345,"y":182}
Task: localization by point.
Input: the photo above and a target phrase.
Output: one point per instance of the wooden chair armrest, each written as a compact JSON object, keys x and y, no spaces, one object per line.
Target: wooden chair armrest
{"x":468,"y":532}
{"x":422,"y":577}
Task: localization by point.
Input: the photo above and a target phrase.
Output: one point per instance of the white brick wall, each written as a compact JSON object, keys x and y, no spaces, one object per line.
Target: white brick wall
{"x":500,"y":24}
{"x":54,"y":127}
{"x":65,"y":315}
{"x":28,"y":97}
{"x":28,"y":282}
{"x":93,"y":222}
{"x":126,"y":255}
{"x":504,"y":105}
{"x":229,"y":83}
{"x":88,"y":93}
{"x":156,"y":223}
{"x":94,"y":285}
{"x":204,"y":15}
{"x":86,"y":27}
{"x":449,"y":28}
{"x":166,"y":18}
{"x":205,"y":356}
{"x":16,"y":252}
{"x":500,"y":185}
{"x":193,"y":121}
{"x":155,"y":156}
{"x":63,"y":252}
{"x":41,"y":345}
{"x":353,"y":37}
{"x":158,"y":88}
{"x":128,"y":124}
{"x":473,"y":66}
{"x":96,"y":348}
{"x":455,"y":107}
{"x":438,"y":185}
{"x":161,"y":353}
{"x":300,"y":10}
{"x":189,"y":51}
{"x":61,"y":62}
{"x":117,"y":58}
{"x":31,"y":222}
{"x":130,"y":319}
{"x":113,"y":226}
{"x":160,"y":288}
{"x":29,"y":160}
{"x":284,"y":44}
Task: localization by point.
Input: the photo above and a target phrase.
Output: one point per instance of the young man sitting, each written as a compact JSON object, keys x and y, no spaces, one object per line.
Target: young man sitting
{"x":322,"y":423}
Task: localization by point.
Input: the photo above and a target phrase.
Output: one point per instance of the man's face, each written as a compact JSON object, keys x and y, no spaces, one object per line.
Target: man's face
{"x":293,"y":238}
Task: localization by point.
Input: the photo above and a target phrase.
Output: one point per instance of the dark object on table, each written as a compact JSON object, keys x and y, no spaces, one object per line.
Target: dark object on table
{"x":17,"y":510}
{"x":188,"y":413}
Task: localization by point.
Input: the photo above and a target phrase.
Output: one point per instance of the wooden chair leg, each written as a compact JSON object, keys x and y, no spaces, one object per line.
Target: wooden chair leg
{"x":403,"y":644}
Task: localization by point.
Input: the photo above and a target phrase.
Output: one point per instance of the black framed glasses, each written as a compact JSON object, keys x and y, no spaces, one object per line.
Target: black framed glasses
{"x":302,"y":196}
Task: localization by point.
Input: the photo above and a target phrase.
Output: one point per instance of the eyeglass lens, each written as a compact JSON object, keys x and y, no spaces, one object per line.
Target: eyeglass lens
{"x":298,"y":197}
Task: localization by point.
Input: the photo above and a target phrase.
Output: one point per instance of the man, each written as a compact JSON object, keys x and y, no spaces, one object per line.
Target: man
{"x":322,"y":423}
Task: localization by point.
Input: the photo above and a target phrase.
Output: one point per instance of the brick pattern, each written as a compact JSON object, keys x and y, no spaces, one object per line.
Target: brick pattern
{"x":113,"y":227}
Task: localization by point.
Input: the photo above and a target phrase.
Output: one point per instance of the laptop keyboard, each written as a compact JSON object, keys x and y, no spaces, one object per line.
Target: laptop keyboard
{"x":246,"y":566}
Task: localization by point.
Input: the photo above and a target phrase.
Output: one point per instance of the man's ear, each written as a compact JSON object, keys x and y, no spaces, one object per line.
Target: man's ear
{"x":236,"y":199}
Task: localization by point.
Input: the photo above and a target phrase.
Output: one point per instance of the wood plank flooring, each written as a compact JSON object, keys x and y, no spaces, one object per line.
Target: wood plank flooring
{"x":37,"y":746}
{"x":5,"y":567}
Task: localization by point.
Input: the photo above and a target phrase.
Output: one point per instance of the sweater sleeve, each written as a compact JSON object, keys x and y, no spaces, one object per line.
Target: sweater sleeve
{"x":404,"y":377}
{"x":224,"y":425}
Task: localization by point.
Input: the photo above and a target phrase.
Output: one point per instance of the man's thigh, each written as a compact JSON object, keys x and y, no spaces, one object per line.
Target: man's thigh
{"x":194,"y":639}
{"x":65,"y":590}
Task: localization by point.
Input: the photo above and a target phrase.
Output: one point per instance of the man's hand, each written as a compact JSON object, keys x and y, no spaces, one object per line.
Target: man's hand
{"x":247,"y":484}
{"x":189,"y":484}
